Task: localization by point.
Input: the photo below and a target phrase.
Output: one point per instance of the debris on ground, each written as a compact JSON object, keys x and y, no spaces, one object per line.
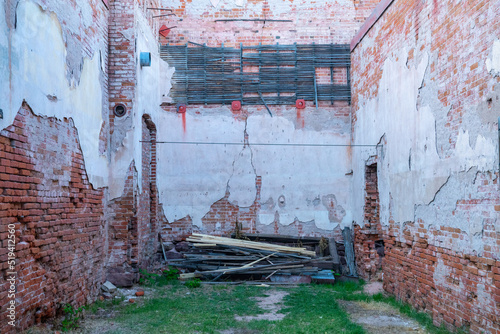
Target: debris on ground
{"x":108,"y":287}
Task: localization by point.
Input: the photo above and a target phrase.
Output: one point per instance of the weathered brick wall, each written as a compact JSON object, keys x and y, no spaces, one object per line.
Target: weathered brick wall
{"x":368,"y":243}
{"x":147,"y":213}
{"x":122,"y":58}
{"x":58,"y":218}
{"x":122,"y":234}
{"x":70,"y":238}
{"x":301,"y":23}
{"x":445,"y":260}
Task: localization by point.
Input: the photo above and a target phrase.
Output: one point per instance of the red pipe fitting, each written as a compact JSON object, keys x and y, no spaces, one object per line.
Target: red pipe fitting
{"x":236,"y":105}
{"x":300,"y":104}
{"x":181,"y":108}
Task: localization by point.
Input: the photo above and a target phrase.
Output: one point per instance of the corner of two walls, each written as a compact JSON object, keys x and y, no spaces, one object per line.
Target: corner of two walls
{"x":132,"y":188}
{"x":431,"y":99}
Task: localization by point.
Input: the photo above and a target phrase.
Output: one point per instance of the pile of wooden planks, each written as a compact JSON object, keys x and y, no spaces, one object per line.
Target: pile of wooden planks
{"x":214,"y":257}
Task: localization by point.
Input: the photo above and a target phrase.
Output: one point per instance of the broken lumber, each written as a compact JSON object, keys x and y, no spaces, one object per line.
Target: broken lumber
{"x":208,"y":239}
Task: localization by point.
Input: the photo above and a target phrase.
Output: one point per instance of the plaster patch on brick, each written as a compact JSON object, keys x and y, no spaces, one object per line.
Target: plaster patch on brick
{"x":418,"y":182}
{"x":390,"y":113}
{"x":442,"y":275}
{"x":449,"y":209}
{"x":119,"y":165}
{"x":493,"y":61}
{"x":300,"y":173}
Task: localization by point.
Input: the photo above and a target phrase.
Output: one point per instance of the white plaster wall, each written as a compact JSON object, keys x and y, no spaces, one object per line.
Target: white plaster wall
{"x":300,"y":174}
{"x":5,"y":101}
{"x":409,"y":130}
{"x":37,"y":68}
{"x":193,"y":177}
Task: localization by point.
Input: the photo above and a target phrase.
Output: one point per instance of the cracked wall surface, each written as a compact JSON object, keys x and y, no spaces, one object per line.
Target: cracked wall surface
{"x":299,"y":185}
{"x":429,"y":99}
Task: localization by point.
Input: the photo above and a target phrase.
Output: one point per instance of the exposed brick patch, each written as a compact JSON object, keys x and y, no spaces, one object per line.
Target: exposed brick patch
{"x":368,"y":243}
{"x":148,"y":200}
{"x":122,"y":56}
{"x":46,"y":194}
{"x":459,"y":288}
{"x":134,"y":227}
{"x":123,"y":225}
{"x":223,"y":215}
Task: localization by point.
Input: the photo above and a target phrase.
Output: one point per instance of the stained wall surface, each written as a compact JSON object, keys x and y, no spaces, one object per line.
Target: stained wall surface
{"x":426,"y":90}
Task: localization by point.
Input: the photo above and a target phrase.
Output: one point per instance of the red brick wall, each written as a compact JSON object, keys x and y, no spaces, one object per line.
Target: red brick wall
{"x":58,"y":218}
{"x":320,"y":22}
{"x":122,"y":233}
{"x":133,"y":226}
{"x":368,"y":260}
{"x":147,"y":213}
{"x":439,"y":265}
{"x":122,"y":56}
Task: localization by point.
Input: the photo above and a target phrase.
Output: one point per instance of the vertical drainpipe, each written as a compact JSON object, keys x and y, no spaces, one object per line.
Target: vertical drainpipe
{"x":499,"y":145}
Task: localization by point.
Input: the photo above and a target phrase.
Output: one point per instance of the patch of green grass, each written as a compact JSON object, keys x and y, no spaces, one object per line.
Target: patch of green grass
{"x":184,"y":310}
{"x":194,"y":283}
{"x":178,"y":309}
{"x":308,"y":309}
{"x":104,"y":304}
{"x":312,"y":309}
{"x":72,"y":317}
{"x":153,"y":279}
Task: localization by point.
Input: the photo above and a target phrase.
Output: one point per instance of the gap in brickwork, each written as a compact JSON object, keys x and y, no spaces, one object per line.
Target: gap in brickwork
{"x":369,"y":243}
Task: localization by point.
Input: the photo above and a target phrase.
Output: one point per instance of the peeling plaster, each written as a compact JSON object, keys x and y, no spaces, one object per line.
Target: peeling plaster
{"x":299,"y":173}
{"x":443,"y":209}
{"x":38,"y":71}
{"x":152,"y":85}
{"x":198,"y":8}
{"x":193,"y":177}
{"x":493,"y":61}
{"x":397,"y":112}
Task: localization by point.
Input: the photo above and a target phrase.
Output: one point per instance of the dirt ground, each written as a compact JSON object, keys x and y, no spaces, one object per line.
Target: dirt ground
{"x":272,"y":303}
{"x":380,"y":318}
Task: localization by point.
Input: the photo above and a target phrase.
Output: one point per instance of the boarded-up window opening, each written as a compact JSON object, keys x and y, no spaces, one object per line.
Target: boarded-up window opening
{"x":219,"y":75}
